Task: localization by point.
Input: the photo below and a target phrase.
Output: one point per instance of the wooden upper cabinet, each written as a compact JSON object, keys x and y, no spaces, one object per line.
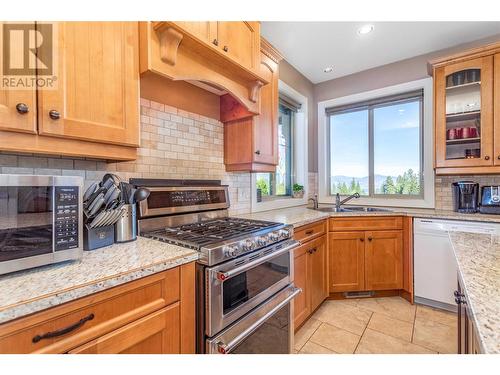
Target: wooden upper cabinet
{"x":265,"y":129}
{"x":240,"y":40}
{"x":97,"y":95}
{"x":464,"y":113}
{"x":251,"y":142}
{"x":203,"y":30}
{"x":17,"y":107}
{"x":347,"y":261}
{"x":384,"y":260}
{"x":496,"y":108}
{"x":18,"y":110}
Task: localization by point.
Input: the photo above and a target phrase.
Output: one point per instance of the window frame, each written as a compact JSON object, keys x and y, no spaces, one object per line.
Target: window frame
{"x":426,"y":143}
{"x":381,"y":103}
{"x":299,"y":157}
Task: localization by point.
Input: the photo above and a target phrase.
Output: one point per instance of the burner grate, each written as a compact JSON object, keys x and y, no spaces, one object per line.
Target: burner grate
{"x":209,"y":232}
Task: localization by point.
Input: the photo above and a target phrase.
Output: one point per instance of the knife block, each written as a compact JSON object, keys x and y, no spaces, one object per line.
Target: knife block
{"x":95,"y":238}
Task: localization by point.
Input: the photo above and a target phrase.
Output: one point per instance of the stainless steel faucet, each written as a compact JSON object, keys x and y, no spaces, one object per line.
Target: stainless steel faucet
{"x":339,"y":202}
{"x":315,"y":201}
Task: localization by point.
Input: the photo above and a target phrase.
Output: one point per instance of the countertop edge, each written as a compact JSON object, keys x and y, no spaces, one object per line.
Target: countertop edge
{"x":23,"y":309}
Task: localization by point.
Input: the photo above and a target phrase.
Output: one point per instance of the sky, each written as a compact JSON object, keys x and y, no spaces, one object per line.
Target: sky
{"x":396,"y":141}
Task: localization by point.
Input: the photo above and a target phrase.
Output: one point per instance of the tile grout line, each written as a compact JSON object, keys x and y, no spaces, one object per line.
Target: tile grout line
{"x":309,"y":336}
{"x":361,"y":337}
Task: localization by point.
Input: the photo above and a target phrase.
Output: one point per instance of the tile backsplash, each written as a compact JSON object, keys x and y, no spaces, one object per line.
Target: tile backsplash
{"x":443,"y":187}
{"x":174,"y":144}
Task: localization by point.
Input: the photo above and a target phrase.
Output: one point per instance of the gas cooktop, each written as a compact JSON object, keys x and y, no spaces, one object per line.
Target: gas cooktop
{"x":223,"y":238}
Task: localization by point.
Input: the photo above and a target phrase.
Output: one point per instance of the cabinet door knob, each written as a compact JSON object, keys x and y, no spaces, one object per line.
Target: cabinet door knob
{"x":22,"y":108}
{"x":486,"y":157}
{"x":257,"y":152}
{"x":54,"y":115}
{"x":370,"y":238}
{"x":225,"y":48}
{"x":498,"y":157}
{"x":362,"y":239}
{"x":216,"y":42}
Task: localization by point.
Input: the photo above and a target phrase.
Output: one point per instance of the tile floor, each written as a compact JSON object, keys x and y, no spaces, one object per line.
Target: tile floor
{"x":388,"y":325}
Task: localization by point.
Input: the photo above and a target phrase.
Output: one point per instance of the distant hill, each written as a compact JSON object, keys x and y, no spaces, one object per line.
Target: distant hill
{"x":363,"y":181}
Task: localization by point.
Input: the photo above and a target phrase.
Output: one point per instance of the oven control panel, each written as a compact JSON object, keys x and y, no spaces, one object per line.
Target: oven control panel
{"x":66,"y":217}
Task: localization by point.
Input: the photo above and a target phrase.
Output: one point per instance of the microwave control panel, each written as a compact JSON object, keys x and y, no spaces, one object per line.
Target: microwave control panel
{"x":66,"y":217}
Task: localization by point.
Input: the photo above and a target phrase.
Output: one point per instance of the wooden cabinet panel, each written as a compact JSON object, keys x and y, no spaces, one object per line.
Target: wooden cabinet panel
{"x":97,"y":95}
{"x":240,"y":40}
{"x":134,"y":304}
{"x":347,"y":263}
{"x":10,"y":118}
{"x":318,"y":271}
{"x":485,"y":65}
{"x":251,"y":142}
{"x":496,"y":109}
{"x":157,"y":333}
{"x":265,"y":129}
{"x":203,"y":30}
{"x":301,"y":303}
{"x":310,"y":231}
{"x":383,"y":260}
{"x":343,"y":224}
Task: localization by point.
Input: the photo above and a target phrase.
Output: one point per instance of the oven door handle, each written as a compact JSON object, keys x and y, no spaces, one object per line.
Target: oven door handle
{"x":222,"y":276}
{"x":226,"y":348}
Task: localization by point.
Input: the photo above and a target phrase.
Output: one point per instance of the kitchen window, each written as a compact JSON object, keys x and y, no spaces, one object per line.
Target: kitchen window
{"x":279,"y":184}
{"x":378,"y":144}
{"x":274,"y":190}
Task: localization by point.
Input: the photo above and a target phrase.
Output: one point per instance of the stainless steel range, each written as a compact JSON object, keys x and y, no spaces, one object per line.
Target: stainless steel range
{"x":245,"y":272}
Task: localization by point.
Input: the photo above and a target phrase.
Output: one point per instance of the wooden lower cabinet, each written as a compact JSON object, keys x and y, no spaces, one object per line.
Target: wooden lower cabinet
{"x":154,"y":315}
{"x":347,"y":263}
{"x":367,"y":254}
{"x":157,"y":333}
{"x":311,"y":275}
{"x":384,"y":260}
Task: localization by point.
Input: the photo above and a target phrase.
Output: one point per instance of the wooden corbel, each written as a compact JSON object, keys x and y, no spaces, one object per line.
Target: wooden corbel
{"x":169,"y":44}
{"x":254,"y":91}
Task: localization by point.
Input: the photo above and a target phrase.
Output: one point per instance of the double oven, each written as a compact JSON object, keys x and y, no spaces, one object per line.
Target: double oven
{"x":247,"y":303}
{"x":244,"y":276}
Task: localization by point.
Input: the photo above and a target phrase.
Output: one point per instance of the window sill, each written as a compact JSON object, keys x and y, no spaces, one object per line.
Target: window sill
{"x":384,"y":202}
{"x":279,"y":202}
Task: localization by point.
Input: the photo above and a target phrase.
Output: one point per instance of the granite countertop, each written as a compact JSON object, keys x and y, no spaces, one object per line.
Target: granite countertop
{"x":29,"y":291}
{"x":301,"y":215}
{"x":478,"y":259}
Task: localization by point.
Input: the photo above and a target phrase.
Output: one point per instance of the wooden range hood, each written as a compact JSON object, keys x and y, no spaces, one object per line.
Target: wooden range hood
{"x":174,"y":52}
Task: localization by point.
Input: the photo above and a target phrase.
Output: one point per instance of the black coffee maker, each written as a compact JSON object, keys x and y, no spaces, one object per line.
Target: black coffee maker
{"x":465,"y":196}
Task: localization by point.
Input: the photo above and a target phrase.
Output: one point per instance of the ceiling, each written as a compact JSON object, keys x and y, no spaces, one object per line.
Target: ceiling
{"x":312,"y":46}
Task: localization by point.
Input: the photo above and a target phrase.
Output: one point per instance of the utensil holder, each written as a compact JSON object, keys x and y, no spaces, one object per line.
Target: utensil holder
{"x":126,"y":226}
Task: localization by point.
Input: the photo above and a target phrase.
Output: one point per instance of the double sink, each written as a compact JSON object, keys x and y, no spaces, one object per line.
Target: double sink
{"x":350,"y":209}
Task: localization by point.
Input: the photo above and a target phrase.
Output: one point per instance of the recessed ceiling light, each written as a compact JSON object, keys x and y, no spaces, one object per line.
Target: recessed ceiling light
{"x":328,"y":69}
{"x":365,"y":29}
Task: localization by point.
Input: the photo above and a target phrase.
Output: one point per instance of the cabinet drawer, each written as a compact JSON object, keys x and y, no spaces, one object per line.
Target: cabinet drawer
{"x":90,"y":317}
{"x":157,"y":333}
{"x":342,"y":224}
{"x":310,"y":231}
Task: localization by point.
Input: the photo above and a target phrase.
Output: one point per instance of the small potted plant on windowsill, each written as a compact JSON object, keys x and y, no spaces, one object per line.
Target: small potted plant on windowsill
{"x":297,"y":191}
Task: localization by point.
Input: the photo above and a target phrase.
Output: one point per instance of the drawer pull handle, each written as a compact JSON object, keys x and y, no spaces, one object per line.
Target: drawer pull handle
{"x":63,"y":331}
{"x":310,"y":232}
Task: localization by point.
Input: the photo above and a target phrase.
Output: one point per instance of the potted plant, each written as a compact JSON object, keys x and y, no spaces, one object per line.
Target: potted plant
{"x":297,"y":191}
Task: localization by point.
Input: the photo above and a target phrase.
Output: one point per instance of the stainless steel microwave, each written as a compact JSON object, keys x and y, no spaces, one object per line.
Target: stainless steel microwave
{"x":40,"y":220}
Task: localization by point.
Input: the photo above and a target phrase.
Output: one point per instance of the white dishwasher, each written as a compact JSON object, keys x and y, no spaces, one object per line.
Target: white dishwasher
{"x":435,"y":266}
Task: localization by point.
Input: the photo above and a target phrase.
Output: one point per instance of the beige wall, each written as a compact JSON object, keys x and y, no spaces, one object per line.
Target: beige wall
{"x":382,"y":76}
{"x":293,"y":78}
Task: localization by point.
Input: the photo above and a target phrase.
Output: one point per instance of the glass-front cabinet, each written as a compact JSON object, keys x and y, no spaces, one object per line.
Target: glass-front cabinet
{"x":464,"y":114}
